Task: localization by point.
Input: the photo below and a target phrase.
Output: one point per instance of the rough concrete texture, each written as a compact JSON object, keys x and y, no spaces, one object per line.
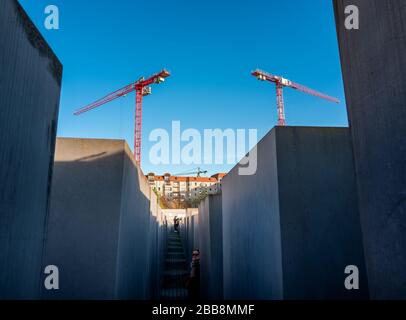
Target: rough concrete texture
{"x":373,"y":61}
{"x":211,"y":247}
{"x":30,"y":78}
{"x":290,"y":230}
{"x":103,"y":228}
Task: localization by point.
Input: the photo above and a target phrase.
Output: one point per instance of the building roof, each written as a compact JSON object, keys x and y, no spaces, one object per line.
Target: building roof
{"x":219,"y":175}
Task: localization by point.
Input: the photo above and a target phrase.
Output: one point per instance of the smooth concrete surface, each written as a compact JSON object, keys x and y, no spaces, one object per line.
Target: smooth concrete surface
{"x":102,"y":230}
{"x":290,"y":230}
{"x":157,"y":245}
{"x":211,"y":247}
{"x":30,"y":84}
{"x":373,"y":61}
{"x":189,"y":232}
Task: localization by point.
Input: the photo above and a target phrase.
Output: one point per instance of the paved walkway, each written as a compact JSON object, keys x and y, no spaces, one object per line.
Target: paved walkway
{"x":176,"y":271}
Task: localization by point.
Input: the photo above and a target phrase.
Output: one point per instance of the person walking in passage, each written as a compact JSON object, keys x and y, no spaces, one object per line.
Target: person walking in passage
{"x":176,"y":224}
{"x":193,"y":283}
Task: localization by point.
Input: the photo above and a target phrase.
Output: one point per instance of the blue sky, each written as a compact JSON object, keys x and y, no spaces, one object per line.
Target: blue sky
{"x":210,"y":47}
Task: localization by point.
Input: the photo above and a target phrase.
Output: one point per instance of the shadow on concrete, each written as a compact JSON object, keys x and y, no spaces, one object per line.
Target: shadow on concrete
{"x":99,"y":228}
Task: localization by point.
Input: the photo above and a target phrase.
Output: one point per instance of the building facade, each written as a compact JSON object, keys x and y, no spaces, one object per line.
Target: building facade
{"x":185,"y":188}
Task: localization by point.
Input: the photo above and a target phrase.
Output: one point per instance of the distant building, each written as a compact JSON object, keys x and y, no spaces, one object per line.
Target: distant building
{"x":185,"y":188}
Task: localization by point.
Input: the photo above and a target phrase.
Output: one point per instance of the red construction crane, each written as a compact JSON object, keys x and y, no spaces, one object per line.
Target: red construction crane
{"x":282,"y":82}
{"x":141,"y":88}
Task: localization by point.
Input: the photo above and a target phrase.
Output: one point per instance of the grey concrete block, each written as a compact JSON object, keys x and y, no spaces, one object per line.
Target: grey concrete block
{"x":189,"y":232}
{"x":101,"y":232}
{"x":211,"y":247}
{"x":30,"y":84}
{"x":290,"y":230}
{"x":373,"y":61}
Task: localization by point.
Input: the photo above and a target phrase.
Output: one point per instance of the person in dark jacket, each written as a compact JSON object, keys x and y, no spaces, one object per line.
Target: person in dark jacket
{"x":193,"y":283}
{"x":176,"y":224}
